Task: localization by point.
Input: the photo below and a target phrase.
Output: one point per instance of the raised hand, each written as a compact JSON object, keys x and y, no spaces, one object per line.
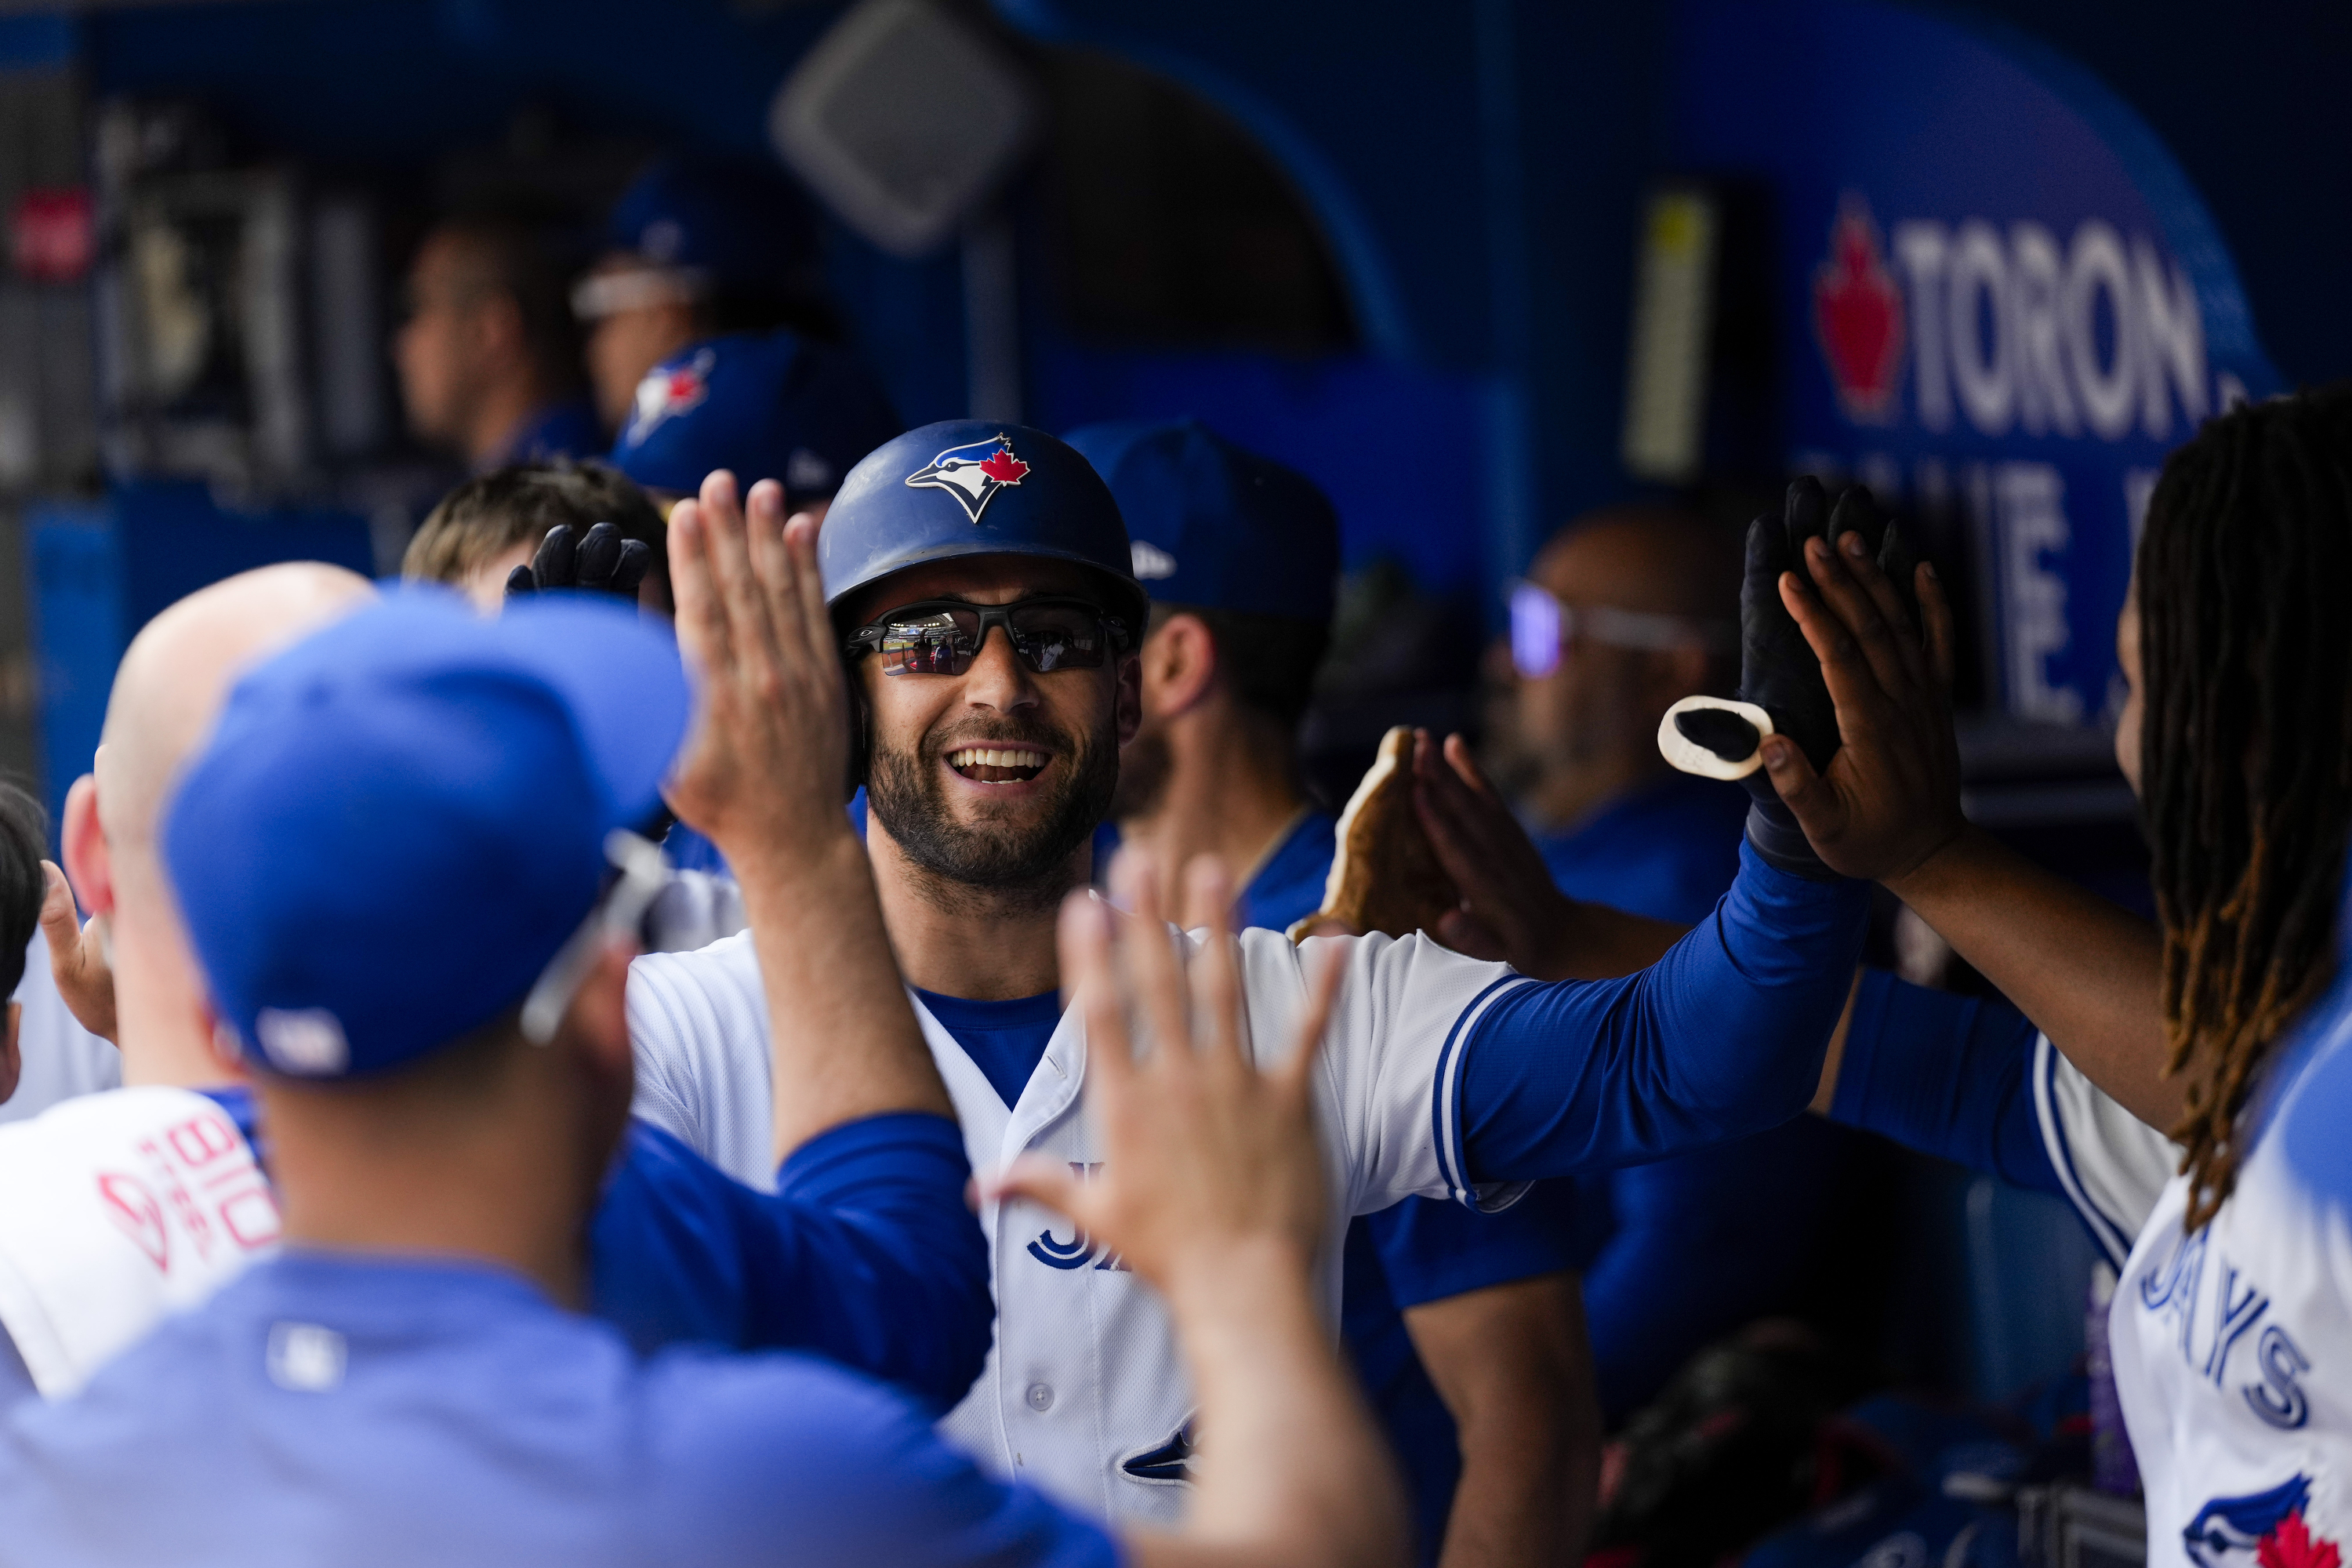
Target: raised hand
{"x":601,"y":563}
{"x":1209,"y":1163}
{"x":765,"y":761}
{"x":1511,"y":910}
{"x":1890,"y":795}
{"x":78,"y":959}
{"x":1781,"y":687}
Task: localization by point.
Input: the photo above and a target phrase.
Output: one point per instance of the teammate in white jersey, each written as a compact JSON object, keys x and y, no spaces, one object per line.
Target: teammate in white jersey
{"x":2234,"y":1310}
{"x":980,"y":578}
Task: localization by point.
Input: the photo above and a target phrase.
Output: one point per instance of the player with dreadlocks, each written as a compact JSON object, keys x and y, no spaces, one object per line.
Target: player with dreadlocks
{"x":2230,"y":1023}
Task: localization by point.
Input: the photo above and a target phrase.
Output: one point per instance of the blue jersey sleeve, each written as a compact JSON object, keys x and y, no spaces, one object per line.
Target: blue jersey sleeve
{"x":794,"y":1461}
{"x":1722,"y":1036}
{"x":865,"y":1253}
{"x":1947,"y":1075}
{"x":1430,"y":1249}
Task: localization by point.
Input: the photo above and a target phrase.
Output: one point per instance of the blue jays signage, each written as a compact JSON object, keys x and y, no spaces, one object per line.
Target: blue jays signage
{"x":1998,"y":302}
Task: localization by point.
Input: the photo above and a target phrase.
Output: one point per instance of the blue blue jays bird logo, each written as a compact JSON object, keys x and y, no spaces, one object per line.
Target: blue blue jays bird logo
{"x":971,"y":474}
{"x":2266,"y":1527}
{"x":666,"y":392}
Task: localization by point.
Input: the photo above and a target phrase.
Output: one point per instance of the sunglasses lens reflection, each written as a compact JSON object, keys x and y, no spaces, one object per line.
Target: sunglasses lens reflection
{"x":1535,"y":631}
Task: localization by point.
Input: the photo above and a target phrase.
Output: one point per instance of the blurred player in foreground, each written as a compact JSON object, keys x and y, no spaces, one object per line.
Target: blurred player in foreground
{"x":409,"y":1381}
{"x":488,"y":358}
{"x":863,"y":1246}
{"x":980,"y":578}
{"x":1467,"y":1328}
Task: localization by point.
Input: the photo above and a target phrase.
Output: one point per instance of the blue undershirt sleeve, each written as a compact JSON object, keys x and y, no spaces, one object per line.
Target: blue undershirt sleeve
{"x":1720,"y":1037}
{"x":1947,"y":1075}
{"x":865,"y":1252}
{"x":1431,"y":1249}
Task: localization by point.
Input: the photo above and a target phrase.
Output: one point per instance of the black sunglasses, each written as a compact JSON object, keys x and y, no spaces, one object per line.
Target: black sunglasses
{"x":943,"y":636}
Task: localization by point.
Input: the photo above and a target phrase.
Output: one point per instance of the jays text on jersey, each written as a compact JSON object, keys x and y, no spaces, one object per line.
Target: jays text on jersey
{"x":1440,"y":1075}
{"x":2228,"y":1340}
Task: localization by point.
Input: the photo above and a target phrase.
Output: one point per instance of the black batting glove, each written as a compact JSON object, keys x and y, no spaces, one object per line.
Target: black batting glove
{"x":1779,"y":671}
{"x":602,"y":561}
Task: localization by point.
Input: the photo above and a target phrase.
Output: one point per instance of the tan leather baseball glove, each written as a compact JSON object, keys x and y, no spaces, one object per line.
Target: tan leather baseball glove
{"x":1385,"y":877}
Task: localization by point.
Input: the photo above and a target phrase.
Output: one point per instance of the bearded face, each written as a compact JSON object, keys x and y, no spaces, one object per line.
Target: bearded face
{"x":990,"y":781}
{"x":1006,"y":844}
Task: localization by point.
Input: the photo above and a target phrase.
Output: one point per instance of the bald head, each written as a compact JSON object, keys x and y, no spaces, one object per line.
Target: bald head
{"x":1587,"y":732}
{"x":178,"y":671}
{"x":1655,"y":559}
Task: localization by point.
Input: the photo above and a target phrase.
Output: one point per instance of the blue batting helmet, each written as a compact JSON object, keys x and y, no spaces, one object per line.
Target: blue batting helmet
{"x":971,"y":486}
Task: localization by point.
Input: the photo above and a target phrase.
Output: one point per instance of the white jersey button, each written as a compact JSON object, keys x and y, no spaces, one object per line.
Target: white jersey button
{"x":1041,"y":1397}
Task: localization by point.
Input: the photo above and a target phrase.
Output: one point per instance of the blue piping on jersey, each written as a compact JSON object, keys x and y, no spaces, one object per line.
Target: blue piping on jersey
{"x":2104,"y":1229}
{"x":1446,"y":1109}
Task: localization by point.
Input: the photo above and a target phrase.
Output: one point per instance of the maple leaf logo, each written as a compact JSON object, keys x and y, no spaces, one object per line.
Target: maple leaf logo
{"x":1858,"y":317}
{"x":1004,"y":468}
{"x":2291,"y":1545}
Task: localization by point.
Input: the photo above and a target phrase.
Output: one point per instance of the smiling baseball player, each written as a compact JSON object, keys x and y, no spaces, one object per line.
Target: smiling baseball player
{"x":980,"y":583}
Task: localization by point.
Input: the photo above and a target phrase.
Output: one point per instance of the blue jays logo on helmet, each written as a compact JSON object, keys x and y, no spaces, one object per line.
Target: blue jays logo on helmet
{"x":667,"y":391}
{"x":971,"y":474}
{"x":2267,"y":1527}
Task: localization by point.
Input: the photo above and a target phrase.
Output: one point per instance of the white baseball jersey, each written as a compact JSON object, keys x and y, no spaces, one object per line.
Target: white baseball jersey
{"x":2113,"y":1166}
{"x":121,"y":1206}
{"x":1084,"y":1393}
{"x":2226,"y":1343}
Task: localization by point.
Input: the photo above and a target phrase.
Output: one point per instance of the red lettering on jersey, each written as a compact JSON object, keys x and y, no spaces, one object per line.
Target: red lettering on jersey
{"x":134,"y":1208}
{"x":201,"y":1139}
{"x":250,"y":1217}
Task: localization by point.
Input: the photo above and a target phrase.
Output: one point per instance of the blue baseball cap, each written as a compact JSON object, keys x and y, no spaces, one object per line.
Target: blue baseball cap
{"x":765,"y":406}
{"x":975,"y":487}
{"x":399,"y":822}
{"x":728,"y":224}
{"x":1213,"y":524}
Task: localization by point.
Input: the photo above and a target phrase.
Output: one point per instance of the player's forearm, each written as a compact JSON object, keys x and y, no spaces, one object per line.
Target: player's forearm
{"x":1514,"y":1366}
{"x":1291,"y":1471}
{"x":843,"y":1038}
{"x":2087,"y":973}
{"x":1521,"y":1507}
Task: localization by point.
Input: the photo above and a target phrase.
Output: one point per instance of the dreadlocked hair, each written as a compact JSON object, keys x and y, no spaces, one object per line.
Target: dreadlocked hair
{"x":2244,"y":576}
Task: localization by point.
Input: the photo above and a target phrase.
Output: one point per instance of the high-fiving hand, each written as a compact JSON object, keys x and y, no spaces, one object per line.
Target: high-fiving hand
{"x":1511,"y":908}
{"x":765,"y":761}
{"x":1860,"y":770}
{"x":1890,"y":797}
